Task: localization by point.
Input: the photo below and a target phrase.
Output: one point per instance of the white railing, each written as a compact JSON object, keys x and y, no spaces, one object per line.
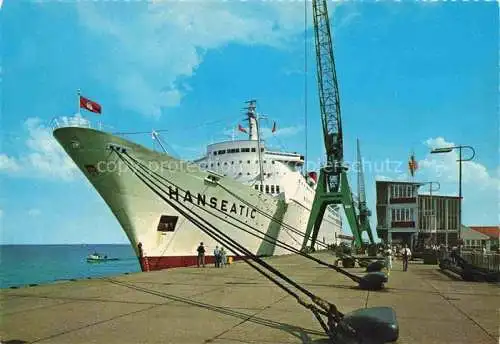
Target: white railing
{"x":490,"y":261}
{"x":75,"y":121}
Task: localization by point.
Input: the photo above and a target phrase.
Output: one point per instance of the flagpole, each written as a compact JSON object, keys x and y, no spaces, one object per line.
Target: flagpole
{"x":78,"y":94}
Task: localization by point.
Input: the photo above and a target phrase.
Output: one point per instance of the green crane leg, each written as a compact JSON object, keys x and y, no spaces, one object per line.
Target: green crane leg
{"x":317,"y":212}
{"x":365,"y":227}
{"x":350,"y":209}
{"x":322,"y":199}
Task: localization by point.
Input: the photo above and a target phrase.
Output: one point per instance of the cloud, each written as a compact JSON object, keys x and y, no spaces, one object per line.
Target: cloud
{"x":445,"y":166}
{"x":438,"y":142}
{"x":34,"y":212}
{"x":480,"y":187}
{"x":155,"y":47}
{"x":8,"y":164}
{"x":44,"y":158}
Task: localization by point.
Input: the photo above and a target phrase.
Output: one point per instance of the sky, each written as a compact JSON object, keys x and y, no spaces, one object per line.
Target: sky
{"x":412,"y":76}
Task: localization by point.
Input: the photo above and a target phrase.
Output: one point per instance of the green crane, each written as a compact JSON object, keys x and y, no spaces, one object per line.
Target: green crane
{"x":333,"y":186}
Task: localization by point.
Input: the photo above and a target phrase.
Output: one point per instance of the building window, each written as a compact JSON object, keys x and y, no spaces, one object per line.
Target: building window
{"x":256,"y":187}
{"x":248,"y":161}
{"x":277,"y":189}
{"x":402,"y":214}
{"x":267,"y":188}
{"x":402,"y":191}
{"x":254,"y":150}
{"x":215,"y":153}
{"x":272,"y":189}
{"x":261,"y":188}
{"x":272,"y":162}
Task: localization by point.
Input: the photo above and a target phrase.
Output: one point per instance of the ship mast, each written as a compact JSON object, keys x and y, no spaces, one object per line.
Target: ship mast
{"x":254,"y":134}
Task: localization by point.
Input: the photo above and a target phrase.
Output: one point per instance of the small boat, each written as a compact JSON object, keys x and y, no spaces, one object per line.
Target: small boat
{"x":96,"y":257}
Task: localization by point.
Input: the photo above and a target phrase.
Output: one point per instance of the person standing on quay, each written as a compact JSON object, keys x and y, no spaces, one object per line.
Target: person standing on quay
{"x":217,"y":256}
{"x":201,"y":255}
{"x":223,"y":257}
{"x":388,"y":259}
{"x":406,"y":257}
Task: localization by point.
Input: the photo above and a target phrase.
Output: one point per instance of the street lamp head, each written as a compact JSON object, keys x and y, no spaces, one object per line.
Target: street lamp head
{"x":442,"y":150}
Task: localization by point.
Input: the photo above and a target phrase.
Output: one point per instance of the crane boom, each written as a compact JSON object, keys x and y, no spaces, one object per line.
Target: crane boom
{"x":333,"y":186}
{"x":328,"y":93}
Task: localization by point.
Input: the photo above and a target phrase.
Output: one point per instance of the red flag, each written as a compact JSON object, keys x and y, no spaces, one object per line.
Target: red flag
{"x":89,"y":105}
{"x":240,"y":128}
{"x":412,"y":165}
{"x":274,"y":127}
{"x":313,"y":176}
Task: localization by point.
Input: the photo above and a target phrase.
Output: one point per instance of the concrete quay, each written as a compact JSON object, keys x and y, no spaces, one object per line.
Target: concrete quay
{"x":238,"y":305}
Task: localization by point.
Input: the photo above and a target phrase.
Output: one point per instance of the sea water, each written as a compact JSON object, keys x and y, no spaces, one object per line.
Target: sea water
{"x":38,"y":264}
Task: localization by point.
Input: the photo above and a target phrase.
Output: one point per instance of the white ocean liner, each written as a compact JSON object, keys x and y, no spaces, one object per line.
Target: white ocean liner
{"x":226,"y":181}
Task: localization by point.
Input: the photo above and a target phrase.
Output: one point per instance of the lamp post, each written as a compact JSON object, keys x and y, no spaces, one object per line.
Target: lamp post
{"x":460,"y":159}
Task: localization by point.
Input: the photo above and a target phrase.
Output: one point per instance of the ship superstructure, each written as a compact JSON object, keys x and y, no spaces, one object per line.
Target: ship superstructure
{"x":238,"y":181}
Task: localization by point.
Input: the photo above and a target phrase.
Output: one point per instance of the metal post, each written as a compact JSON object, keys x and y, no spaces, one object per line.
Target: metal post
{"x":459,"y":196}
{"x":257,"y":120}
{"x":447,"y":223}
{"x":433,"y":214}
{"x":78,"y":93}
{"x":434,"y":207}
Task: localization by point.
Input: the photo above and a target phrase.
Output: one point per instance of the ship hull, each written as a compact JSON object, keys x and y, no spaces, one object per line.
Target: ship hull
{"x":141,"y":210}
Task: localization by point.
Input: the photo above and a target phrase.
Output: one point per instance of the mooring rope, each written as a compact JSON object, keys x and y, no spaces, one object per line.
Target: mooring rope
{"x":328,"y":309}
{"x":272,"y":240}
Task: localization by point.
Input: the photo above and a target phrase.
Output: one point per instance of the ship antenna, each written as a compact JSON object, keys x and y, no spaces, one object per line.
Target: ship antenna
{"x":252,"y":113}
